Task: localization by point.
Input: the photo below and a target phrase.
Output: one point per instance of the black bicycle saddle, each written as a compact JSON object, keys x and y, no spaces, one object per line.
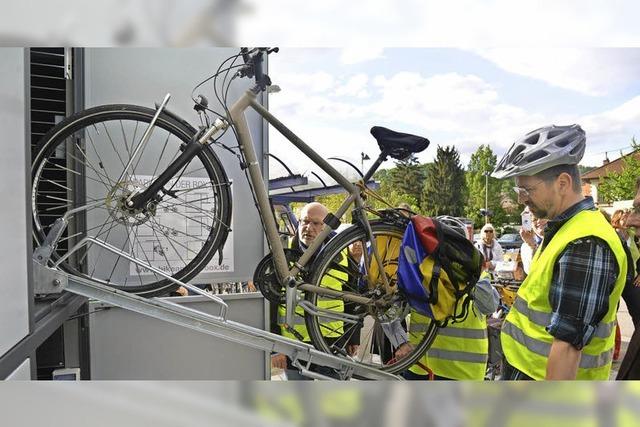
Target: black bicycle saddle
{"x":396,"y":144}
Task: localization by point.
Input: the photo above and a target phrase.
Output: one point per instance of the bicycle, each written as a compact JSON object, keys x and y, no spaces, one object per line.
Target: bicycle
{"x":142,"y":200}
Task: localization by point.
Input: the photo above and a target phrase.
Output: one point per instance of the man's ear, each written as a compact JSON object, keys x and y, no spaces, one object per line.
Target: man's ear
{"x":565,"y":183}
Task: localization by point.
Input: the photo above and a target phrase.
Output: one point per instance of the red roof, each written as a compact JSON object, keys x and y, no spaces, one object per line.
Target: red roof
{"x":611,"y":167}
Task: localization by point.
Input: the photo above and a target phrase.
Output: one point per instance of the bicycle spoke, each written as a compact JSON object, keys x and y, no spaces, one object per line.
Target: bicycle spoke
{"x":192,"y":219}
{"x":171,"y":241}
{"x":74,"y":172}
{"x":106,"y":239}
{"x":124,"y":245}
{"x":160,"y":243}
{"x":124,"y":138}
{"x":144,"y":253}
{"x":207,"y":213}
{"x":161,"y":154}
{"x":113,"y":145}
{"x":95,"y":150}
{"x":92,"y":168}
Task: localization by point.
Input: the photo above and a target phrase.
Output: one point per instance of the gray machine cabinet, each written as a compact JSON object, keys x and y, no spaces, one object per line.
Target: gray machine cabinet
{"x":143,"y":77}
{"x":127,"y":345}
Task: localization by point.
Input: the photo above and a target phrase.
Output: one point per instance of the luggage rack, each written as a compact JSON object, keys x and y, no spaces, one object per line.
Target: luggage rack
{"x":51,"y":280}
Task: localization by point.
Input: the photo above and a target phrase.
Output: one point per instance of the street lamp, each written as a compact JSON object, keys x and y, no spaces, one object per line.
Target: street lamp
{"x":486,"y":196}
{"x":363,"y":157}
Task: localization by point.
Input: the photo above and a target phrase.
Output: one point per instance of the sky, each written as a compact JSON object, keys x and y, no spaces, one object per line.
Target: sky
{"x":463,"y":97}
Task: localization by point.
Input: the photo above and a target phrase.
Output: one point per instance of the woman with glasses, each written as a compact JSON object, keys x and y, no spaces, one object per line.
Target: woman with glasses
{"x":490,"y":248}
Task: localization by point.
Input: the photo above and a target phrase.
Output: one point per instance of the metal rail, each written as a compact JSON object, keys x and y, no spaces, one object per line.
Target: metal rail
{"x":300,"y":353}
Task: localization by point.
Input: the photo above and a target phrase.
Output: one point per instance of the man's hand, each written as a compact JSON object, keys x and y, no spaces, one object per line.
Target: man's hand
{"x":352,"y":349}
{"x":488,"y":265}
{"x":279,"y":361}
{"x":528,"y":237}
{"x":563,"y":361}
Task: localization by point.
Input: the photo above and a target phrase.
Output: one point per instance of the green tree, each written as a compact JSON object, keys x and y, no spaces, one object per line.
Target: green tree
{"x":621,"y":185}
{"x":483,"y":161}
{"x":407,"y":178}
{"x":445,"y":189}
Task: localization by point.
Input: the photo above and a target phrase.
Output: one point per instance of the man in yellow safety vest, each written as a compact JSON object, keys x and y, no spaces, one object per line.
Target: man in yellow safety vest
{"x":562,"y":323}
{"x":310,"y":225}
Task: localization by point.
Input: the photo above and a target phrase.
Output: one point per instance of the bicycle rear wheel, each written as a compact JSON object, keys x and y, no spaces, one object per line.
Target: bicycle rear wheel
{"x":81,"y":161}
{"x":379,"y":329}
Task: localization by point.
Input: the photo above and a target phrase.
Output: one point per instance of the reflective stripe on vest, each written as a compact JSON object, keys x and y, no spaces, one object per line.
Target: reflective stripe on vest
{"x":543,"y":319}
{"x":329,"y":328}
{"x":525,"y":341}
{"x":459,"y":351}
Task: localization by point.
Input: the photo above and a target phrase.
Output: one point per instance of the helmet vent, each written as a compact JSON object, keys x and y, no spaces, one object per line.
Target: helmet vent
{"x":532,"y":140}
{"x":554,"y":133}
{"x":536,"y":156}
{"x":516,"y":153}
{"x":563,"y":142}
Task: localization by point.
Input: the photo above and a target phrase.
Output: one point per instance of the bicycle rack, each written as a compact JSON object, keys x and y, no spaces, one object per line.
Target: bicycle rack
{"x":50,"y":280}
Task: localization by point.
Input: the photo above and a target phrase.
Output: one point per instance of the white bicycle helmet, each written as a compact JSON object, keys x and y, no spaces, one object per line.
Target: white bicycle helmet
{"x":454,"y":223}
{"x":542,"y":149}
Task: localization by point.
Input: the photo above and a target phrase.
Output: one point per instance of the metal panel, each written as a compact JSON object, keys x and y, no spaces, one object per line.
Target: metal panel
{"x":143,"y":77}
{"x":14,"y":217}
{"x":22,"y":372}
{"x":127,"y":345}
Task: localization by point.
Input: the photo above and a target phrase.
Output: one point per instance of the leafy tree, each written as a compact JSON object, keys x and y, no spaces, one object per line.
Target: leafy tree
{"x":621,"y":185}
{"x":407,"y":178}
{"x":585,"y":169}
{"x":484,"y":161}
{"x":445,"y":189}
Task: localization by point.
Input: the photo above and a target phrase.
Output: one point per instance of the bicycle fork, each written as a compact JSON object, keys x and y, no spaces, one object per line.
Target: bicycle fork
{"x":139,"y":200}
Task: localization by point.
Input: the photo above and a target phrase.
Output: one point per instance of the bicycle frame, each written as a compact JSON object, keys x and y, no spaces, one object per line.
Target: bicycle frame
{"x":236,"y":114}
{"x":258,"y":185}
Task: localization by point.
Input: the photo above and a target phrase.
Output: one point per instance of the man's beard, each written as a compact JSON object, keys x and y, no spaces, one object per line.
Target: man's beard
{"x":537,"y":211}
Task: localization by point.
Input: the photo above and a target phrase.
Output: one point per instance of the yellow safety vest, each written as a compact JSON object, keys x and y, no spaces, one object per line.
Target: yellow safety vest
{"x":516,"y":404}
{"x":460,"y":351}
{"x":628,"y":403}
{"x":525,"y":342}
{"x":330,"y":328}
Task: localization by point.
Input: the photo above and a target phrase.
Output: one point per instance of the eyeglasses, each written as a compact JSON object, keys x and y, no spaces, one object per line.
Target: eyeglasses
{"x":488,"y":231}
{"x":524,"y":191}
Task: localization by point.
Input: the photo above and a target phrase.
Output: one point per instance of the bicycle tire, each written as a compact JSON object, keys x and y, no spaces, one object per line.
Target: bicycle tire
{"x":76,"y":146}
{"x":374,"y":349}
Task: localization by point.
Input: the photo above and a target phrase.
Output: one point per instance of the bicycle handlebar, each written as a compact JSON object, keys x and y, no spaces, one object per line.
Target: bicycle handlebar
{"x":253,"y":59}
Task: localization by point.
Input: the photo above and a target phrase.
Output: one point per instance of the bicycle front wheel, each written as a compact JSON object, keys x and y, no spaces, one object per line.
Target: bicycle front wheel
{"x":81,"y":163}
{"x":371,"y":334}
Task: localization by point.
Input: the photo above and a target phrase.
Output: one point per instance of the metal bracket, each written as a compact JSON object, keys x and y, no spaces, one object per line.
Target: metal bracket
{"x":48,"y":280}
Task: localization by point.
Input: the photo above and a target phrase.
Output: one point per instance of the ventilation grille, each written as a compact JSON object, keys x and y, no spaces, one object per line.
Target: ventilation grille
{"x":48,"y":91}
{"x":48,"y":107}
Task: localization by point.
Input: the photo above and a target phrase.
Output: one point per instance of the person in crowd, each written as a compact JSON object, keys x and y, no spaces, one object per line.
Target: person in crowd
{"x":460,"y":351}
{"x":562,"y":323}
{"x":623,"y":222}
{"x":489,"y":247}
{"x":630,"y":366}
{"x":309,"y":227}
{"x":532,"y":239}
